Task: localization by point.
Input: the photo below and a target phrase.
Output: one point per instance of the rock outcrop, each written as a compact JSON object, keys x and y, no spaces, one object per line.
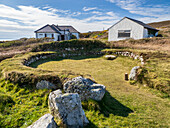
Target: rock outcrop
{"x":67,"y":109}
{"x":46,"y":121}
{"x":133,"y":73}
{"x":86,"y":88}
{"x":43,"y":84}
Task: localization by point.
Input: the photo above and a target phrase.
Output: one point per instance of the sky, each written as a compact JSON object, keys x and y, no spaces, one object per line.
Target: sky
{"x":20,"y":18}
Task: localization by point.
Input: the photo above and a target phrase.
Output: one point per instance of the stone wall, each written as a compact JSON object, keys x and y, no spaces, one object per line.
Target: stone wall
{"x":127,"y":54}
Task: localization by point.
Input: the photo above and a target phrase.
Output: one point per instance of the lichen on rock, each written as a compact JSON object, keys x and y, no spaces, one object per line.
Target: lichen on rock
{"x":43,"y":84}
{"x":67,"y":109}
{"x":133,"y":73}
{"x":46,"y":121}
{"x":86,"y":88}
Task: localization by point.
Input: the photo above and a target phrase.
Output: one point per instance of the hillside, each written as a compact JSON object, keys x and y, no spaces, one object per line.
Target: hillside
{"x":162,"y":24}
{"x":10,"y":48}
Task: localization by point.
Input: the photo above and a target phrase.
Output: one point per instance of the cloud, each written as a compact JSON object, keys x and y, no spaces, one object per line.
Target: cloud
{"x":89,"y":9}
{"x":24,"y":20}
{"x":138,"y":7}
{"x":97,"y":12}
{"x":111,"y":14}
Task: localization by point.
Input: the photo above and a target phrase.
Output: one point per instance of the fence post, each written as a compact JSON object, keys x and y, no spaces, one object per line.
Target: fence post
{"x":126,"y":76}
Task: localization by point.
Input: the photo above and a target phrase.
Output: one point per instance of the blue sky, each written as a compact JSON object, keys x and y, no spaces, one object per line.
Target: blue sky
{"x":20,"y":18}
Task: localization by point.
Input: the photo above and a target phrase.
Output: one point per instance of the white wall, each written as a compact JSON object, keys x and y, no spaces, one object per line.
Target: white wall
{"x":126,"y":24}
{"x":42,"y":35}
{"x":76,"y":34}
{"x":56,"y":36}
{"x":145,"y":33}
{"x":67,"y":34}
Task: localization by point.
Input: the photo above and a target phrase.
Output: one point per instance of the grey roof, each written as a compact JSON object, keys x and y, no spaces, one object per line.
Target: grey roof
{"x":70,"y":28}
{"x":56,"y":29}
{"x":47,"y":28}
{"x":143,"y":24}
{"x":138,"y":22}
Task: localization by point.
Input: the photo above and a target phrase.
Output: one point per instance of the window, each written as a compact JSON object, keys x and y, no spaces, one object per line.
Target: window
{"x":40,"y":34}
{"x":45,"y":35}
{"x":123,"y":33}
{"x":52,"y":35}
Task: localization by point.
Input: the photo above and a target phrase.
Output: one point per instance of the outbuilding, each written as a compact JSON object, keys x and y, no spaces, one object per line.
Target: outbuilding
{"x":128,"y":28}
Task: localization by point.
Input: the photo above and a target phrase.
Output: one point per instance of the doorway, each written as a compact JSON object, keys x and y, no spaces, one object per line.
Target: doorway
{"x":62,"y":37}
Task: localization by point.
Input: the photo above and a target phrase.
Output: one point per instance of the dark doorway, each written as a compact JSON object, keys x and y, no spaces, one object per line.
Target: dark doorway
{"x":62,"y":37}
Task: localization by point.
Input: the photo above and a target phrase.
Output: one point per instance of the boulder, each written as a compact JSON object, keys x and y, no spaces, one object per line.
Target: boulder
{"x":67,"y":109}
{"x":46,"y":121}
{"x":110,"y":57}
{"x":86,"y":88}
{"x":133,"y":73}
{"x":43,"y":84}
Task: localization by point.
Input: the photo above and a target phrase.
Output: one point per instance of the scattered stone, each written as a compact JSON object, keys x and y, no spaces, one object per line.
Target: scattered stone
{"x":67,"y":109}
{"x":86,"y":88}
{"x":43,"y":84}
{"x":110,"y":57}
{"x":142,"y":63}
{"x":133,"y":73}
{"x":46,"y":121}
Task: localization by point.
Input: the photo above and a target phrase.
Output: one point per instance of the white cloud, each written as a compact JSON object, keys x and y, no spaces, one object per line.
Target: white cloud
{"x":111,"y":14}
{"x":101,"y":18}
{"x":89,"y":9}
{"x":23,"y":21}
{"x":138,"y":7}
{"x":97,"y":12}
{"x":53,"y":10}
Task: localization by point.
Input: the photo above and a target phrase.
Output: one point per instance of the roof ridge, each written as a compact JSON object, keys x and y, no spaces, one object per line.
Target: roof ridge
{"x":53,"y":27}
{"x":142,"y":23}
{"x":136,"y":21}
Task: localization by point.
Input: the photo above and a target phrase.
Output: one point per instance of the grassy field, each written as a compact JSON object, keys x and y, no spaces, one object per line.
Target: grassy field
{"x":124,"y":105}
{"x":20,"y":107}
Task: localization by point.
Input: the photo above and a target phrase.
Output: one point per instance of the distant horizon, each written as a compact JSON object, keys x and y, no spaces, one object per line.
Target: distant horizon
{"x":21,"y":18}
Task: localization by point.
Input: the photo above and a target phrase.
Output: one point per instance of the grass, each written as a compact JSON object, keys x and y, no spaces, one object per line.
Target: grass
{"x":20,"y":107}
{"x":124,"y":105}
{"x":155,"y":43}
{"x":158,"y":72}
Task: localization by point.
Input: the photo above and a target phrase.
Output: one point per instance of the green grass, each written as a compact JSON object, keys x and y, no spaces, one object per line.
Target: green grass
{"x":20,"y":107}
{"x":124,"y":105}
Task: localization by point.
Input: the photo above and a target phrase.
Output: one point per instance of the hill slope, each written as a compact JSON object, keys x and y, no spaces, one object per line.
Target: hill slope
{"x":162,"y":24}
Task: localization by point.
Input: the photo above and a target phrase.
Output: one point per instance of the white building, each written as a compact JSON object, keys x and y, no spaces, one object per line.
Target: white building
{"x":57,"y":32}
{"x":128,"y":28}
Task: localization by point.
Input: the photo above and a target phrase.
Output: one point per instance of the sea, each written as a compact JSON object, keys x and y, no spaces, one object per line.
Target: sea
{"x":7,"y":39}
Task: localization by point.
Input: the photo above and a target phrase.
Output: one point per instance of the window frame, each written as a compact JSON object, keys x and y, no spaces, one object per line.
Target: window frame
{"x":124,"y":33}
